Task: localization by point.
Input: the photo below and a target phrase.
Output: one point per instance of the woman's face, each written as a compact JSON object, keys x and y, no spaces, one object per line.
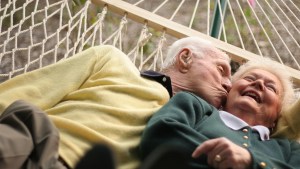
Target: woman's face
{"x":256,"y":98}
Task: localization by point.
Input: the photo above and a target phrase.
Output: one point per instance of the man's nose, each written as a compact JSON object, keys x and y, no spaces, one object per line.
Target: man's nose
{"x":227,"y":84}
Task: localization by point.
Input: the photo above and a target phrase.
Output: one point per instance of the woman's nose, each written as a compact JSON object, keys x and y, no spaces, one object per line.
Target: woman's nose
{"x":259,"y":84}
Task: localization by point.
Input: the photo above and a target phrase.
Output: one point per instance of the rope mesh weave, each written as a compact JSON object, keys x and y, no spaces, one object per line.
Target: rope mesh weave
{"x":36,"y":33}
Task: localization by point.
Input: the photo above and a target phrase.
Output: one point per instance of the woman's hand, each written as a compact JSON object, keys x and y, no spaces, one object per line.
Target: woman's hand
{"x":222,"y":153}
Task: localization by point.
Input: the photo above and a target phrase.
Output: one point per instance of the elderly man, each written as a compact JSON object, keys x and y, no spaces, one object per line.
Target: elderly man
{"x":99,"y":96}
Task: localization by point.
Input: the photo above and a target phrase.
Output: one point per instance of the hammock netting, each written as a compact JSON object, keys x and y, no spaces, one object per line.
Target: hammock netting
{"x":36,"y":33}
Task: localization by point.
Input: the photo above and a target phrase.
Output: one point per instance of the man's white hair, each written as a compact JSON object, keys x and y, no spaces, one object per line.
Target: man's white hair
{"x":195,"y":44}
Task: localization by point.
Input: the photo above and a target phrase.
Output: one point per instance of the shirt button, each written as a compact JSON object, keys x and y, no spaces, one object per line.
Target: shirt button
{"x":262,"y":164}
{"x":246,"y":137}
{"x":245,"y":130}
{"x":245,"y":145}
{"x":164,"y":79}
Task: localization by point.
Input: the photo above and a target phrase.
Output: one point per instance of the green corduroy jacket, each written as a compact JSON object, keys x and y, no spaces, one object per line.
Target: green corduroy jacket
{"x":188,"y":121}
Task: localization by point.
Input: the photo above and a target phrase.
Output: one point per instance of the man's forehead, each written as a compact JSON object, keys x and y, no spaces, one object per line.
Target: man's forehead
{"x":220,"y":58}
{"x":216,"y":53}
{"x":223,"y":55}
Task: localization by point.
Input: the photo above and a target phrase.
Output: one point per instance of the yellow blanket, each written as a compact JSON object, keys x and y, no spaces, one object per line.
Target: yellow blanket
{"x":97,"y":95}
{"x":288,"y":125}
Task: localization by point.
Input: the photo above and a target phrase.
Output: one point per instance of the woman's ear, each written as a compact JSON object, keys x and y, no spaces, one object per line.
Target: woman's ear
{"x":184,"y":60}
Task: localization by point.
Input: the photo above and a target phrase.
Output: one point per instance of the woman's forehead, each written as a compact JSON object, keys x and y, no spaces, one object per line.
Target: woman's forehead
{"x":262,"y":73}
{"x":268,"y":76}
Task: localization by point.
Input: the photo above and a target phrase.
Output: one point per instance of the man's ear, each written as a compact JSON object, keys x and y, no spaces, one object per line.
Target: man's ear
{"x":184,"y":60}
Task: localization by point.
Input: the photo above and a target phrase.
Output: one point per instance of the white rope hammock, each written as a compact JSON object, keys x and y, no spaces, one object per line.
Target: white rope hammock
{"x":36,"y":33}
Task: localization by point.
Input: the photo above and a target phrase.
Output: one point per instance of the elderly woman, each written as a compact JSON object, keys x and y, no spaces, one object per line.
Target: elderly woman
{"x":236,"y":137}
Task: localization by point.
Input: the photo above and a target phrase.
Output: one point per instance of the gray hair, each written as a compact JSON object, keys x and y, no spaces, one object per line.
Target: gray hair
{"x":195,"y":44}
{"x":275,"y":68}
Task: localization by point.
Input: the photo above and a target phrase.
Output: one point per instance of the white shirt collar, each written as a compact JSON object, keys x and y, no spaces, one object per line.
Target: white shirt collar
{"x":236,"y":123}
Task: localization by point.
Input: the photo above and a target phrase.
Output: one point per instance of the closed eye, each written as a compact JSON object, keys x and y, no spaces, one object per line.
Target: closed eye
{"x":221,"y":69}
{"x":271,"y":88}
{"x":249,"y":78}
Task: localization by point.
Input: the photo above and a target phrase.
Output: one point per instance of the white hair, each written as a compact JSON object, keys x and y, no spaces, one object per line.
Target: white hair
{"x":275,"y":68}
{"x":195,"y":44}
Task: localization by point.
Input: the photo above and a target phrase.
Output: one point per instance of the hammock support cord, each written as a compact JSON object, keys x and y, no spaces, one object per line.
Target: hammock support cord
{"x":37,"y":33}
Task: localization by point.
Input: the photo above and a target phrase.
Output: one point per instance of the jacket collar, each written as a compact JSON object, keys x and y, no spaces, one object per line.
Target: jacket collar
{"x":160,"y":78}
{"x":236,"y":123}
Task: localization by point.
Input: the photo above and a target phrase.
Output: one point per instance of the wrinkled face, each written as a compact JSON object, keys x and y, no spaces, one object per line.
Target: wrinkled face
{"x":256,"y":98}
{"x":210,"y":78}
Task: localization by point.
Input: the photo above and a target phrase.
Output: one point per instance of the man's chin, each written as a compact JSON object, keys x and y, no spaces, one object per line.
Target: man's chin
{"x":217,"y":103}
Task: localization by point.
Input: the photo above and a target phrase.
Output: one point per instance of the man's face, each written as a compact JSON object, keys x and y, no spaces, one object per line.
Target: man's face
{"x":210,"y":78}
{"x":256,"y":98}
